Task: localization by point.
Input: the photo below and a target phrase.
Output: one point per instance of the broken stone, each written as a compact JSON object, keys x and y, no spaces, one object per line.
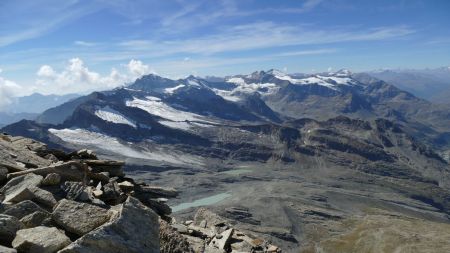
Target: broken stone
{"x":212,"y":249}
{"x":22,"y":209}
{"x":156,"y":192}
{"x":51,"y":157}
{"x":134,"y":230}
{"x":36,"y":219}
{"x":9,"y":225}
{"x":51,"y":179}
{"x":79,"y":218}
{"x":86,"y":154}
{"x":86,"y":194}
{"x":114,"y":168}
{"x":126,"y":186}
{"x":73,"y":189}
{"x":102,"y":177}
{"x":40,"y":240}
{"x":43,"y":197}
{"x":111,"y":191}
{"x":97,"y":193}
{"x":172,"y":241}
{"x":3,"y":174}
{"x":99,"y":186}
{"x":197,"y":244}
{"x":7,"y":250}
{"x":272,"y":249}
{"x":15,"y":189}
{"x":72,"y":171}
{"x":159,"y":207}
{"x":223,"y":241}
{"x":205,"y":216}
{"x":182,"y":229}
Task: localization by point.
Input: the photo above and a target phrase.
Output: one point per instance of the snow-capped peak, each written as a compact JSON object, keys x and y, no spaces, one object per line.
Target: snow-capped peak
{"x":341,"y":73}
{"x":276,"y":72}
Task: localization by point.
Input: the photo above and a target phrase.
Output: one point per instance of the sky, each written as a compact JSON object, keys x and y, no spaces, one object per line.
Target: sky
{"x":76,"y":46}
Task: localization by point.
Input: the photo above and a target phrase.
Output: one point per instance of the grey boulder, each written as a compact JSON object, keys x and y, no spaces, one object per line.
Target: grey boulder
{"x":36,"y":219}
{"x":16,"y":189}
{"x":22,"y":209}
{"x":134,"y":229}
{"x":7,"y":250}
{"x":40,"y":240}
{"x":79,"y":218}
{"x":9,"y":225}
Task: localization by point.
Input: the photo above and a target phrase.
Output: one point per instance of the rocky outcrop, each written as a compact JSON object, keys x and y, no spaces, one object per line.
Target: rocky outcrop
{"x":84,"y":205}
{"x":209,"y":232}
{"x":134,"y":229}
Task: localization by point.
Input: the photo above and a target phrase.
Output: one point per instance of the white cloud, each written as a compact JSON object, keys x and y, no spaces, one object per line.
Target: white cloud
{"x":84,"y":43}
{"x":46,"y":71}
{"x":8,"y":90}
{"x":77,"y":77}
{"x":137,"y":68}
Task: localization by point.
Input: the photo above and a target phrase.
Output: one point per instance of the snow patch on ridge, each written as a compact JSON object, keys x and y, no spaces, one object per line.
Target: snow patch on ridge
{"x":173,"y":89}
{"x":108,"y":114}
{"x":183,"y":125}
{"x":156,"y":107}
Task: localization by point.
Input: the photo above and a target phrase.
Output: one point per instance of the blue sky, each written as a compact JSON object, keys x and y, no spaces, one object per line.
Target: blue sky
{"x":54,"y":46}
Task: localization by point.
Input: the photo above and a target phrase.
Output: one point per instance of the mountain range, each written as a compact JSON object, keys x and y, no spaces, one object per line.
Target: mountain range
{"x":430,"y":84}
{"x":317,"y":150}
{"x":29,"y":107}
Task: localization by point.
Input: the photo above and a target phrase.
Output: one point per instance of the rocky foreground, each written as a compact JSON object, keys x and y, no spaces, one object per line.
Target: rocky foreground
{"x":53,"y":201}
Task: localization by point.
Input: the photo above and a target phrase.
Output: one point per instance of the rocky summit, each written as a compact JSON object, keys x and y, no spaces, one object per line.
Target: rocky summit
{"x":53,"y":201}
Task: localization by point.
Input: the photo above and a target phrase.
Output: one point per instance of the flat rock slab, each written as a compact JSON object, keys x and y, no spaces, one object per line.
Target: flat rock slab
{"x":22,"y":209}
{"x":71,"y":170}
{"x":43,"y":197}
{"x":9,"y":225}
{"x":135,"y":229}
{"x":79,"y":218}
{"x":16,"y":186}
{"x":7,"y":250}
{"x":40,"y":240}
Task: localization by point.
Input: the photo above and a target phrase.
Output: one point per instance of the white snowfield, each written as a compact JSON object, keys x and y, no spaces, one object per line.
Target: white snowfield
{"x":108,"y":114}
{"x":174,"y":118}
{"x":245,"y":88}
{"x":173,"y":89}
{"x":104,"y":142}
{"x":327,"y":81}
